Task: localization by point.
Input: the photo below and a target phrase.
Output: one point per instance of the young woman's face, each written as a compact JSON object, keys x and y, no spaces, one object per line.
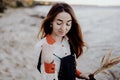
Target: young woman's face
{"x":61,"y":24}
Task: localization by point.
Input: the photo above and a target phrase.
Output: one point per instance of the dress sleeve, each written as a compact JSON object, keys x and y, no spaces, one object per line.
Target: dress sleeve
{"x":48,"y":68}
{"x":38,"y":47}
{"x":48,"y":71}
{"x":48,"y":74}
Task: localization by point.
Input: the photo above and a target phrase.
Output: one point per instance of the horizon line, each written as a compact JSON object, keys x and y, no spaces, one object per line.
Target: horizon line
{"x":78,"y":2}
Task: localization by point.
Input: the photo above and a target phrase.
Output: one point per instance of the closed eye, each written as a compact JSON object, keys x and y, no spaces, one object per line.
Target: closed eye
{"x":59,"y":23}
{"x":68,"y":23}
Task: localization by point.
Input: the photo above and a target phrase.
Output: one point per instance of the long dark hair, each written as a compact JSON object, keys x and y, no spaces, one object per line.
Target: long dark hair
{"x":74,"y":35}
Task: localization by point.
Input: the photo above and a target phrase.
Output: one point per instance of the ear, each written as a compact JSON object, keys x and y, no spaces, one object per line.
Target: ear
{"x":51,"y":24}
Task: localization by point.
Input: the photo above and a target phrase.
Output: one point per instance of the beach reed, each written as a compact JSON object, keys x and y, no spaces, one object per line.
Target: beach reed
{"x":107,"y":62}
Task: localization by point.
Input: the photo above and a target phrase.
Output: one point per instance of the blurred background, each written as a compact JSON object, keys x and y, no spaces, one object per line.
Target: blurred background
{"x":20,"y":22}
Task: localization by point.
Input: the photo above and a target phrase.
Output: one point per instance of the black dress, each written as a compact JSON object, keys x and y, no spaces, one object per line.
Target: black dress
{"x":67,"y":68}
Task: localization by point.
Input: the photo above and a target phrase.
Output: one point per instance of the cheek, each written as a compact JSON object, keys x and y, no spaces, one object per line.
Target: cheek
{"x":68,"y":28}
{"x":55,"y":26}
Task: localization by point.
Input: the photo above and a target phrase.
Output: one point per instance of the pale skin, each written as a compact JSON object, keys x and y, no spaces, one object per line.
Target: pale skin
{"x":61,"y":26}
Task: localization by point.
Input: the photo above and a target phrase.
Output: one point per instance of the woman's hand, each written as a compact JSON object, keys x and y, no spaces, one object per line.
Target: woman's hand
{"x":86,"y":76}
{"x":83,"y":76}
{"x":91,"y":77}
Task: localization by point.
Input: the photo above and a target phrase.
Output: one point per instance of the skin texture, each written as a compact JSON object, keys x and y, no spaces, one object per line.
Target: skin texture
{"x":61,"y":25}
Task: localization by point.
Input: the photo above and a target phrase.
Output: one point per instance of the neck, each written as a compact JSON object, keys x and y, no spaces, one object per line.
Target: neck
{"x":57,"y":38}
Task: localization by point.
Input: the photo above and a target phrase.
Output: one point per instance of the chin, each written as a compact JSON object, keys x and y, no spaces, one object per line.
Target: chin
{"x":61,"y":35}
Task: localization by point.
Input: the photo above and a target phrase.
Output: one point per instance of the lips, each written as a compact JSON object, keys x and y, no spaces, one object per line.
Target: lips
{"x":61,"y":32}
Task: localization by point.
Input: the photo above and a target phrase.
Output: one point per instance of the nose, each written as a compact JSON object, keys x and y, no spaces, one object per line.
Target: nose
{"x":63,"y":27}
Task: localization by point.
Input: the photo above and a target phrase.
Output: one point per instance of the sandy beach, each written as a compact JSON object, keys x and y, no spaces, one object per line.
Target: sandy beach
{"x":18,"y":36}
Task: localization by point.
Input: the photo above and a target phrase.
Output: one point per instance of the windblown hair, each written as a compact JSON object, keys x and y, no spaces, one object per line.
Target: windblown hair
{"x":74,"y":35}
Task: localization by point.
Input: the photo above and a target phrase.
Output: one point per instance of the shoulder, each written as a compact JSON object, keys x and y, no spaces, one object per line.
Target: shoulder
{"x":40,"y":43}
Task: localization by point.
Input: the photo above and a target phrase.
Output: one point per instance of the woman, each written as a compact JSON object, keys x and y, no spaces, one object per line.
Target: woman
{"x":60,"y":45}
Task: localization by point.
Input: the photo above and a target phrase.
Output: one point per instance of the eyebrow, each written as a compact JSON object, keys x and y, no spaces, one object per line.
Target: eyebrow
{"x":59,"y":20}
{"x":62,"y":20}
{"x":69,"y":20}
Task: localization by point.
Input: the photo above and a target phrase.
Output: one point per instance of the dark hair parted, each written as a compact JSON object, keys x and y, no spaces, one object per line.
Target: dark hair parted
{"x":74,"y":35}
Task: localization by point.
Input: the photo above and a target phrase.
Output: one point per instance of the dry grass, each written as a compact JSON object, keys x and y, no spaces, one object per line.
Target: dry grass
{"x":107,"y":62}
